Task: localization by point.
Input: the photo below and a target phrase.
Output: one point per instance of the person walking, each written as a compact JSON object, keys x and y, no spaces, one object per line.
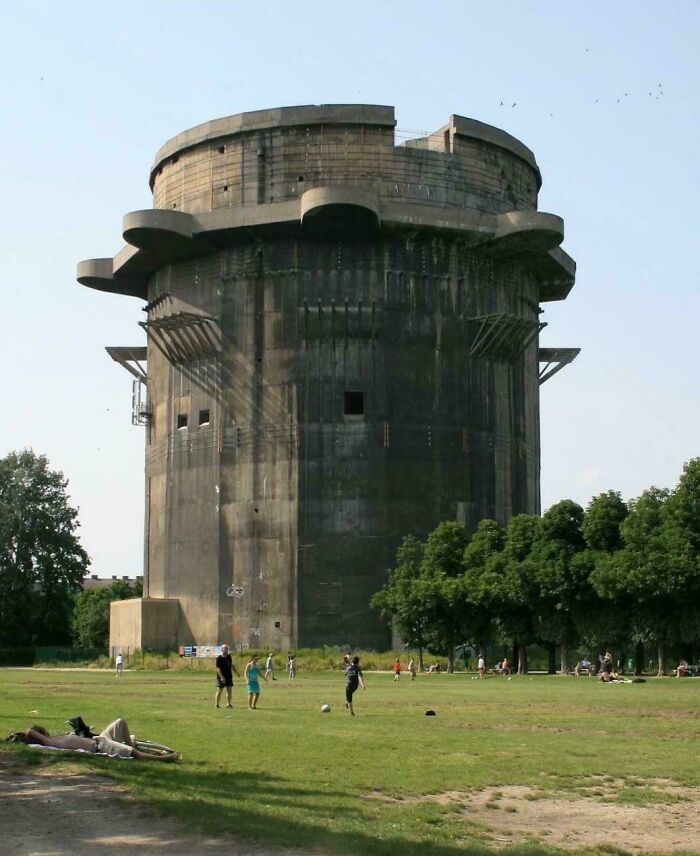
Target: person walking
{"x":292,"y":668}
{"x":270,"y":667}
{"x":224,"y":676}
{"x":252,"y":677}
{"x":353,"y":680}
{"x":119,"y":664}
{"x":412,"y":668}
{"x":397,"y":670}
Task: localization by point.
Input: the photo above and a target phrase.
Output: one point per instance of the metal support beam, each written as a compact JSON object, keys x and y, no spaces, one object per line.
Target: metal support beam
{"x":554,"y":360}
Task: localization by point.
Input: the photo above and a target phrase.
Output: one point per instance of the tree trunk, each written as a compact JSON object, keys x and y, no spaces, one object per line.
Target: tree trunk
{"x":514,"y":656}
{"x":420,"y":658}
{"x":564,"y":650}
{"x":450,"y":659}
{"x":522,"y":658}
{"x":639,"y":659}
{"x":662,"y":659}
{"x":551,"y":659}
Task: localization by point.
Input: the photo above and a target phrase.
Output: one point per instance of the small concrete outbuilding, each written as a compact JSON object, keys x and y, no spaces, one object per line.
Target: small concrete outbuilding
{"x":342,"y":349}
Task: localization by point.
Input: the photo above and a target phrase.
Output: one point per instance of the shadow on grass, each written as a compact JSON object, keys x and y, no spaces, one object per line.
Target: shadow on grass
{"x":270,"y":809}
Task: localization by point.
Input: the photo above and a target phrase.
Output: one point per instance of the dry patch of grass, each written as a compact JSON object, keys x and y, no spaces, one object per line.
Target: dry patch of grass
{"x":611,"y":814}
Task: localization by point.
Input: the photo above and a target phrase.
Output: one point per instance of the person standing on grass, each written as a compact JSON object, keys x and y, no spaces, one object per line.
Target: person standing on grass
{"x":412,"y":669}
{"x":481,"y":666}
{"x":292,"y":668}
{"x":270,"y":667}
{"x":397,"y":670}
{"x":353,"y":680}
{"x":119,"y":663}
{"x":252,"y":676}
{"x":224,"y":676}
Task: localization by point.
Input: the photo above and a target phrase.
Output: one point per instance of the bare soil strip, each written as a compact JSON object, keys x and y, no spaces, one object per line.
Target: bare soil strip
{"x":583,"y":816}
{"x":46,"y":813}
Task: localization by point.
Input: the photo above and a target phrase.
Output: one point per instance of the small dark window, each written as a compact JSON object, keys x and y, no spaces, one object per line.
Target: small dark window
{"x":222,"y":149}
{"x":181,"y":420}
{"x":204,"y":417}
{"x":300,"y":178}
{"x":226,"y":187}
{"x":353,"y":403}
{"x":277,"y":624}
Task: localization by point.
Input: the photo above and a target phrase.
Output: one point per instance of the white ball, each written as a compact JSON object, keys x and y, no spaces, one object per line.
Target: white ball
{"x":326,"y":708}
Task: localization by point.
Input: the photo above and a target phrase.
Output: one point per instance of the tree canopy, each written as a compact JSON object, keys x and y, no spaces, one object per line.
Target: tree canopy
{"x":90,"y":623}
{"x":612,"y":575}
{"x":42,"y":563}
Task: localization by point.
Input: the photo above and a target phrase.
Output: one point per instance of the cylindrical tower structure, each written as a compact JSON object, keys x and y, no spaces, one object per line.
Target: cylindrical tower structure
{"x":342,"y":350}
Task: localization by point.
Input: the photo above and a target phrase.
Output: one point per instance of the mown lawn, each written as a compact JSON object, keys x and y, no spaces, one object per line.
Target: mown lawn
{"x":289,"y":774}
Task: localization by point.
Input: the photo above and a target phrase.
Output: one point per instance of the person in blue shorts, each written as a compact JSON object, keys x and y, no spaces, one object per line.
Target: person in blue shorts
{"x":252,"y":676}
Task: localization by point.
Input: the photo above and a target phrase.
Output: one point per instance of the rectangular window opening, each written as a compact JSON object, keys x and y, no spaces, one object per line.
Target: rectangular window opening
{"x":181,"y":421}
{"x":353,"y":403}
{"x":204,"y":417}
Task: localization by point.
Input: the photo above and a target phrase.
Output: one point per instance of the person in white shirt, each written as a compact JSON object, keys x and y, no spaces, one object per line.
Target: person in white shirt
{"x":119,"y":663}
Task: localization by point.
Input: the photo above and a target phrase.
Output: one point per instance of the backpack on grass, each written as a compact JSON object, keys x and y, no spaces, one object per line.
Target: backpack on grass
{"x":79,"y":727}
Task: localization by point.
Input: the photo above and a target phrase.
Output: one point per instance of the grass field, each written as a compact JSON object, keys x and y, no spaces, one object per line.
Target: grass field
{"x":391,"y":780}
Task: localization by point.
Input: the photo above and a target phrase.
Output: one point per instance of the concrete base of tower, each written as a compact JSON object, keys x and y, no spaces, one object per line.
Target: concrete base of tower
{"x":146,"y":623}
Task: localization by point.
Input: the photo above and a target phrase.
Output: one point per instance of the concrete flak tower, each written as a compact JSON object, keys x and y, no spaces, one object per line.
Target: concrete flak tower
{"x":342,"y":349}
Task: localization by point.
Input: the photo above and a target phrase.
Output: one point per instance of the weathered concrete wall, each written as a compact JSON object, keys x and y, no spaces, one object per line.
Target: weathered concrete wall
{"x":304,"y":268}
{"x":144,"y":623}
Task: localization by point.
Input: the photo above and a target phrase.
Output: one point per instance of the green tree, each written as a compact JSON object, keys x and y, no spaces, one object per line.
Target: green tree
{"x":682,"y":528}
{"x":602,"y":622}
{"x":516,"y":592}
{"x":483,"y":582}
{"x":643,"y":576}
{"x":399,"y":599}
{"x":441,"y":589}
{"x":602,"y":522}
{"x":561,"y":580}
{"x":90,"y":622}
{"x":42,"y":563}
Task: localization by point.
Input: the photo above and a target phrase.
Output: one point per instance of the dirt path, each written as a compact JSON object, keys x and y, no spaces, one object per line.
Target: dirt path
{"x":45,"y":813}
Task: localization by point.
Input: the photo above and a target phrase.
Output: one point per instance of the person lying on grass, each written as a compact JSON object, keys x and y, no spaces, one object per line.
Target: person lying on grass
{"x":114,"y":740}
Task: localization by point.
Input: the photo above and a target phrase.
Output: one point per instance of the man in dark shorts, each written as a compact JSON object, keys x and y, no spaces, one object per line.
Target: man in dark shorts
{"x":224,"y":675}
{"x":353,"y":679}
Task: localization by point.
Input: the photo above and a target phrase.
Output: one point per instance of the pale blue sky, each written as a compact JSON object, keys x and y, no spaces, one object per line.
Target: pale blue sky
{"x":607,"y":98}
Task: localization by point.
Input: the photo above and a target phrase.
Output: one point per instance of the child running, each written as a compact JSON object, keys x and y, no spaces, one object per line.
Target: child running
{"x":353,"y":679}
{"x":252,"y":676}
